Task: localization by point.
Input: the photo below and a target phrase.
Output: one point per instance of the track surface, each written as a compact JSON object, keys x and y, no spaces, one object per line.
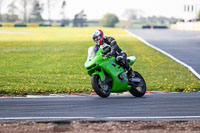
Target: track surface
{"x":171,"y":106}
{"x":184,"y":45}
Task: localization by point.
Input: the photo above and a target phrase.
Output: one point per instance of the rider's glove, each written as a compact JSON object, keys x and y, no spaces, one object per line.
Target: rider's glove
{"x":106,"y":50}
{"x":109,"y":54}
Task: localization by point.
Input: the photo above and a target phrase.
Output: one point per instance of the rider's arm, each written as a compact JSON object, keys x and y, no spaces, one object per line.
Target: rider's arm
{"x":114,"y":47}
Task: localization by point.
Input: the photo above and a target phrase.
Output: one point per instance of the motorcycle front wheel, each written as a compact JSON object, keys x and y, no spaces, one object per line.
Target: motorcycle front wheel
{"x":102,"y":89}
{"x":139,"y":86}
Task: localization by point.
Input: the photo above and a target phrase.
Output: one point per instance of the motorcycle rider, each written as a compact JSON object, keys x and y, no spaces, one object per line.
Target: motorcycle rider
{"x":120,"y":56}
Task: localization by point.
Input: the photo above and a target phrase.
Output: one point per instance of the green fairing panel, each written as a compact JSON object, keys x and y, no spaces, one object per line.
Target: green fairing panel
{"x":92,"y":64}
{"x":113,"y":69}
{"x":101,"y":75}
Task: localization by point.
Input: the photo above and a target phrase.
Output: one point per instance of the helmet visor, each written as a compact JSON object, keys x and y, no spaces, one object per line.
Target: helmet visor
{"x":96,"y":39}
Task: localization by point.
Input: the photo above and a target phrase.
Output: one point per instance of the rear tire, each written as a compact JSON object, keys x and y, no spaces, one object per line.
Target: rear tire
{"x":138,"y":88}
{"x":97,"y":86}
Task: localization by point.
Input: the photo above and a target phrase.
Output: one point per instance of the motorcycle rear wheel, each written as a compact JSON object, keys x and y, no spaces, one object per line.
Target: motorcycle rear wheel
{"x":138,"y":89}
{"x":103,"y":90}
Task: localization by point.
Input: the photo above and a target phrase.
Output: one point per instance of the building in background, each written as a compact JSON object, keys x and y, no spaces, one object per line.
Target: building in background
{"x":191,"y":9}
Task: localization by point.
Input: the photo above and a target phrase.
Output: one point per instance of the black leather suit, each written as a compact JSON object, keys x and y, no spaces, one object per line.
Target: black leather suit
{"x":120,"y":56}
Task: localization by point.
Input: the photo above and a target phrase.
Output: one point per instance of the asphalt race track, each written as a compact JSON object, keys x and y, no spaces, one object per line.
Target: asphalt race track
{"x":169,"y":106}
{"x":183,"y":45}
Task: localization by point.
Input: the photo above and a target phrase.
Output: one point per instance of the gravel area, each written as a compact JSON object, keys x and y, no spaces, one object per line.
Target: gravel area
{"x":101,"y":127}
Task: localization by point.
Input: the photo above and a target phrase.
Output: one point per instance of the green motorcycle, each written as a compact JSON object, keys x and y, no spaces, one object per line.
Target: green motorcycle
{"x":107,"y":76}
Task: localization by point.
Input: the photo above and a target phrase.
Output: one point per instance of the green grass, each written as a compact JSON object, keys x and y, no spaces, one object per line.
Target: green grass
{"x":51,"y":60}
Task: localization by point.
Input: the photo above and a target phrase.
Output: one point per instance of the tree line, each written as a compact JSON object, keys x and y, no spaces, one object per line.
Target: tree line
{"x":29,"y":10}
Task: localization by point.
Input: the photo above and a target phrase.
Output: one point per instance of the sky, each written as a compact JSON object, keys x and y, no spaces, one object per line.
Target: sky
{"x":95,"y":9}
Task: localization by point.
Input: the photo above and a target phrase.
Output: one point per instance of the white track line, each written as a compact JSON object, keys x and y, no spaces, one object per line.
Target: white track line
{"x":44,"y":118}
{"x":156,"y":117}
{"x":103,"y":118}
{"x":165,"y":53}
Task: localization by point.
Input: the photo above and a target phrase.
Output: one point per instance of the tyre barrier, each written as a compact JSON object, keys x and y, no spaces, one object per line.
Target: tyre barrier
{"x":154,"y":27}
{"x":30,"y":25}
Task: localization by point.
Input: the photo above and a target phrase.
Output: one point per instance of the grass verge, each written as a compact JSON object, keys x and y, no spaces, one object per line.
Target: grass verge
{"x":51,"y":60}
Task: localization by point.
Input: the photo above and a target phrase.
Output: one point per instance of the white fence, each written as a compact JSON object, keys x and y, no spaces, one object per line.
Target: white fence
{"x":193,"y":26}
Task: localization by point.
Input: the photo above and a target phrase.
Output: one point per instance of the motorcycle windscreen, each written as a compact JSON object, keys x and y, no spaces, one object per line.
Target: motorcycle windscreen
{"x":92,"y":52}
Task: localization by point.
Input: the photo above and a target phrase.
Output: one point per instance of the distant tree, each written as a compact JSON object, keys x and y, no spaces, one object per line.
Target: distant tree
{"x":0,"y":9}
{"x":64,"y":20}
{"x":49,"y":10}
{"x":1,"y":5}
{"x":50,"y":6}
{"x":133,"y":14}
{"x":37,"y":9}
{"x":24,"y":4}
{"x":12,"y":9}
{"x":80,"y":20}
{"x":109,"y":20}
{"x":63,"y":7}
{"x":173,"y":20}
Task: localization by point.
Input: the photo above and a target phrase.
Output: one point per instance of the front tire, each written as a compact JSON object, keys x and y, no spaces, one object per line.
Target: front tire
{"x":138,"y":88}
{"x":103,"y":90}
